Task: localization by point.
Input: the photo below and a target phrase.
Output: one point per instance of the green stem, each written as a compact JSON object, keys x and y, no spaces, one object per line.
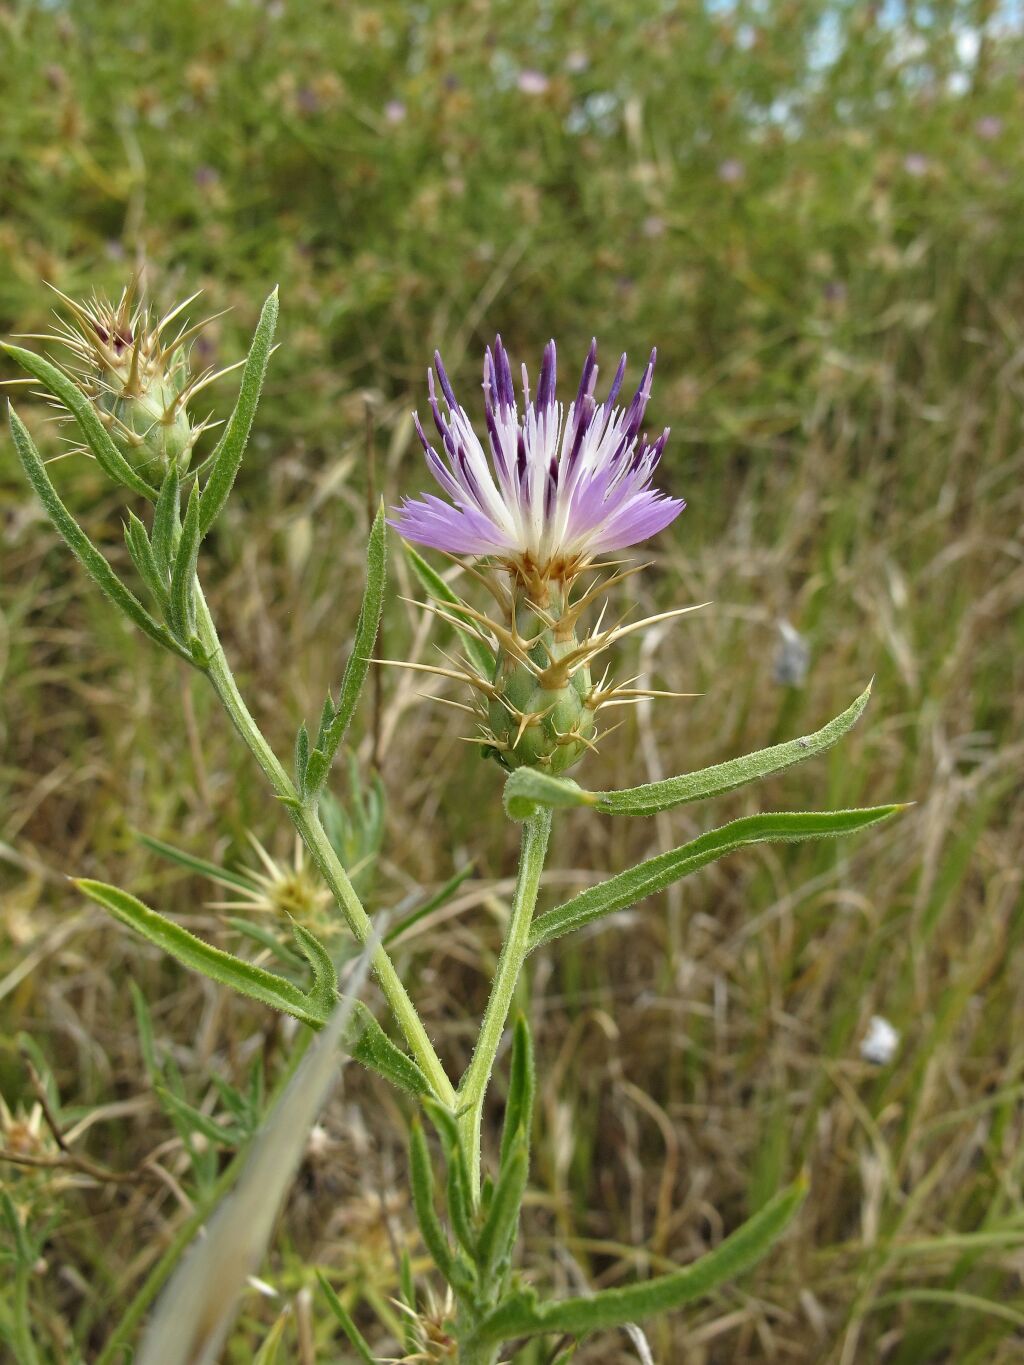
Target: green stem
{"x":307,"y":822}
{"x":474,"y":1083}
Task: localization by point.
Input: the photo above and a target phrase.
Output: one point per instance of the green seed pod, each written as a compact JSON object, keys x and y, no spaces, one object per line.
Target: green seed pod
{"x":541,"y":714}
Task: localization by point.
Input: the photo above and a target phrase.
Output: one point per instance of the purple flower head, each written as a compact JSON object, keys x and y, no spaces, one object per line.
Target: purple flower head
{"x":559,"y":488}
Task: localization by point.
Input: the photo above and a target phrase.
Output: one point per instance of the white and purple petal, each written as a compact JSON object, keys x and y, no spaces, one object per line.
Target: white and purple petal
{"x":559,"y":488}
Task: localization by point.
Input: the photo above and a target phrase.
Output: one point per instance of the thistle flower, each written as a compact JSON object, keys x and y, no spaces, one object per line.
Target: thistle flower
{"x":560,"y":490}
{"x":135,"y":370}
{"x":560,"y":493}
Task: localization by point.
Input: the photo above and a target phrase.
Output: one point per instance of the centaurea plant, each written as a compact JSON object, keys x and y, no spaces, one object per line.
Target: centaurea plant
{"x":533,"y":517}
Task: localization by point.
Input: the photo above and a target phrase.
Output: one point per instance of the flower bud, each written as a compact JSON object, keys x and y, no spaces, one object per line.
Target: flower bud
{"x":138,"y":379}
{"x":542,"y":710}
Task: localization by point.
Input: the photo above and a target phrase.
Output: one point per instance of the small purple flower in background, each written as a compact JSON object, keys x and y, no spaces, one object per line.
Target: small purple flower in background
{"x":989,"y":127}
{"x":555,"y":492}
{"x":916,"y":164}
{"x":394,"y":111}
{"x":531,"y":82}
{"x":731,"y":171}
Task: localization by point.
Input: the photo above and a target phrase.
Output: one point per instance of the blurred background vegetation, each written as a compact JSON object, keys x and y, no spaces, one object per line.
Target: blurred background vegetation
{"x":814,"y":210}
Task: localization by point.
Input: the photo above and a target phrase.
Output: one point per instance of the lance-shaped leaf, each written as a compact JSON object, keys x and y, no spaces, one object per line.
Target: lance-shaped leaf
{"x":324,"y":992}
{"x":181,"y":611}
{"x":460,"y":1202}
{"x":356,"y":1339}
{"x":335,"y":720}
{"x":498,"y":1234}
{"x":141,"y":550}
{"x":193,"y":864}
{"x":367,"y":1042}
{"x":526,"y":788}
{"x":227,"y":454}
{"x":433,"y":903}
{"x":81,"y":546}
{"x":626,"y":889}
{"x":523,"y":1315}
{"x":167,"y":520}
{"x":476,"y":651}
{"x":96,"y":437}
{"x":421,"y":1178}
{"x":522,"y":1083}
{"x":363,"y":1038}
{"x":224,"y":968}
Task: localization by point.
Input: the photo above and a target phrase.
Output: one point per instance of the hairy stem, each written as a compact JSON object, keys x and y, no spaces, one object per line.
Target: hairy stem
{"x":474,"y":1083}
{"x":307,"y":822}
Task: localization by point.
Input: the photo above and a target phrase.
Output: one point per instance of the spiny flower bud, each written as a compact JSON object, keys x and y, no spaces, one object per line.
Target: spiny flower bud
{"x":135,"y":370}
{"x":543,"y":709}
{"x":554,"y":496}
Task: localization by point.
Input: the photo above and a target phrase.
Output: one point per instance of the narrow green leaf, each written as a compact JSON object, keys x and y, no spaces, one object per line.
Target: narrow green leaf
{"x":326,"y":716}
{"x":15,"y":1227}
{"x":324,"y":993}
{"x":181,"y":611}
{"x":522,"y":1083}
{"x":268,"y":1352}
{"x":737,"y":772}
{"x":81,"y":546}
{"x":316,"y":771}
{"x":356,"y":1339}
{"x":435,"y":902}
{"x":498,"y":1234}
{"x":265,"y":938}
{"x":422,"y":1181}
{"x":656,"y":873}
{"x":522,"y":1315}
{"x":227,"y":455}
{"x":143,"y":558}
{"x":367,"y":1043}
{"x":362,"y":648}
{"x":194,"y":864}
{"x":432,"y":583}
{"x":528,"y":788}
{"x":460,"y":1203}
{"x":108,"y":457}
{"x":167,"y":520}
{"x":144,"y":1024}
{"x":301,"y":756}
{"x":198,"y":1122}
{"x":444,"y":1123}
{"x":192,"y":952}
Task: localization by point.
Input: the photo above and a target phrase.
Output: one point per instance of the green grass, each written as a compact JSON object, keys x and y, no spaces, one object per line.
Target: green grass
{"x":839,"y":343}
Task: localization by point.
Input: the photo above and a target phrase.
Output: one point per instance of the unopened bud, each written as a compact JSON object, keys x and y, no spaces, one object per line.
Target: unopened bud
{"x":542,"y":712}
{"x":135,"y":370}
